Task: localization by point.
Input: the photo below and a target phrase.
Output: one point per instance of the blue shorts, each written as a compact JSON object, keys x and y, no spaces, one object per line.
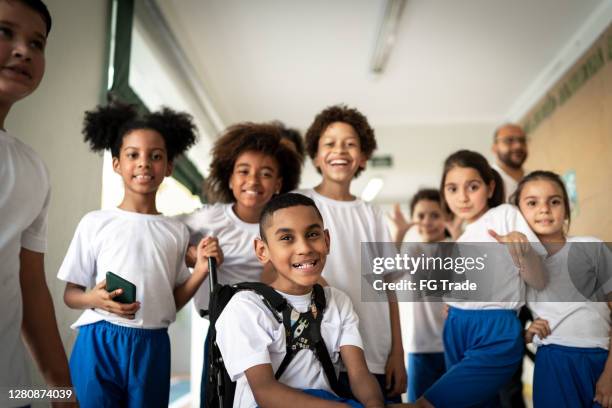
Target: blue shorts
{"x":566,"y":376}
{"x":482,"y":348}
{"x":423,"y":371}
{"x":114,"y":366}
{"x":326,"y":395}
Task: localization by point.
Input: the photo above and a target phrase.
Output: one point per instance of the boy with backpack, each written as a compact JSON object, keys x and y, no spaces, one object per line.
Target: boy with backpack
{"x":319,"y":324}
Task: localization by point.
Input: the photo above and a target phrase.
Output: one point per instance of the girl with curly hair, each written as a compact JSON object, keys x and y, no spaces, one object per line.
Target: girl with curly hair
{"x":251,"y":163}
{"x":122,"y":351}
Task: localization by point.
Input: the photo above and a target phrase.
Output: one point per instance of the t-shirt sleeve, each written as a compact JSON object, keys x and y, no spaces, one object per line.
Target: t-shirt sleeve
{"x":34,"y":237}
{"x":244,"y":333}
{"x":197,"y":223}
{"x":349,"y":322}
{"x":79,"y":265}
{"x":604,"y":267}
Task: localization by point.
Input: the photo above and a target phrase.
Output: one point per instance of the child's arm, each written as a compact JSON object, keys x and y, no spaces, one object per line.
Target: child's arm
{"x":395,"y":370}
{"x":39,"y":328}
{"x":208,"y":247}
{"x":603,"y":387}
{"x":270,"y":393}
{"x":539,"y":327}
{"x":363,"y":384}
{"x":77,"y":297}
{"x":531,"y":267}
{"x":191,"y":256}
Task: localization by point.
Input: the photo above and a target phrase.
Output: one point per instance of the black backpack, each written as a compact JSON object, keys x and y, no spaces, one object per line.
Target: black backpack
{"x":219,"y":387}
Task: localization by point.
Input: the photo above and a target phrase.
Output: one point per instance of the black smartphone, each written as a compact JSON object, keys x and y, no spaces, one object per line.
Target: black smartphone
{"x":114,"y":282}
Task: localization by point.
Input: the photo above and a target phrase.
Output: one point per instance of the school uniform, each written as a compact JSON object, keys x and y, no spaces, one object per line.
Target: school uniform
{"x":483,"y":341}
{"x":117,"y":361}
{"x":571,"y":359}
{"x":248,"y":334}
{"x":240,"y":264}
{"x":24,"y":204}
{"x":422,"y":324}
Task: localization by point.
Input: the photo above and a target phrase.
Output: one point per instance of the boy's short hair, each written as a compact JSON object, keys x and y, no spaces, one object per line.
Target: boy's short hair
{"x":344,"y":114}
{"x":39,"y":7}
{"x":283,"y":201}
{"x":429,"y":194}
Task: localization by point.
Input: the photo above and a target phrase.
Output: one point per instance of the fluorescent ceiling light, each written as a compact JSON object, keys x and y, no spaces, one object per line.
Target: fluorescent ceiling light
{"x":386,"y":35}
{"x":372,"y":189}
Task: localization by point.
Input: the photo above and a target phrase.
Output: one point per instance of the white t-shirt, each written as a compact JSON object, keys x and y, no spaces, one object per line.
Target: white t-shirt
{"x":580,"y":323}
{"x":350,"y":223}
{"x":248,"y":335}
{"x":508,"y":286}
{"x":147,"y":250}
{"x":510,"y":184}
{"x":24,"y":201}
{"x":236,"y":238}
{"x":422,"y":322}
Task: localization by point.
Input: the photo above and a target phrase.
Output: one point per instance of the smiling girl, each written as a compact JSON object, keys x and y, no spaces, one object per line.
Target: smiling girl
{"x":482,"y":340}
{"x":573,"y":365}
{"x":122,"y":352}
{"x":251,"y":163}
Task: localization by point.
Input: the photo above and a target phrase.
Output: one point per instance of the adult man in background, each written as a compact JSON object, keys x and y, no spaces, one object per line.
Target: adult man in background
{"x":510,"y":149}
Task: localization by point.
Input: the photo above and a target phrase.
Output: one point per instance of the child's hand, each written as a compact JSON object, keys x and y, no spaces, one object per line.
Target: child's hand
{"x":101,"y":299}
{"x":398,"y":219}
{"x":445,"y":311}
{"x":207,"y":247}
{"x":539,"y":327}
{"x":603,"y":389}
{"x":519,"y":246}
{"x":395,"y":373}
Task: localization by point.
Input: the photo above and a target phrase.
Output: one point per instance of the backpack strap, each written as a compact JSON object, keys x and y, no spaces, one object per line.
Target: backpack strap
{"x":272,"y":299}
{"x":320,"y":349}
{"x":319,"y":297}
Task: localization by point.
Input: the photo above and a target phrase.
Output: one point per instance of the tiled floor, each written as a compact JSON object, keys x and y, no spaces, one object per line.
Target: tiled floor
{"x":179,"y":392}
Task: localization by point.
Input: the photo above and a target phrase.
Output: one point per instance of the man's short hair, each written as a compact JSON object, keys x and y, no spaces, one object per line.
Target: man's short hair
{"x":497,"y":129}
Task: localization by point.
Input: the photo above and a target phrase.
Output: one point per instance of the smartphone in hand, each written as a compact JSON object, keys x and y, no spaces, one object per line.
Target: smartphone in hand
{"x":114,"y":282}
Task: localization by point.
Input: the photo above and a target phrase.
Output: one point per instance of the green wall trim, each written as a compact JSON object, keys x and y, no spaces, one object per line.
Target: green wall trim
{"x":185,"y":172}
{"x":596,"y":59}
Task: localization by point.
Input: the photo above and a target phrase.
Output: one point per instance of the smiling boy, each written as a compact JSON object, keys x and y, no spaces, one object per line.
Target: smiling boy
{"x":340,"y":141}
{"x":252,"y":341}
{"x":25,"y":300}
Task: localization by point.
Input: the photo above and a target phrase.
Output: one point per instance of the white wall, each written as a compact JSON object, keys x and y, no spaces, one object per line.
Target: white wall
{"x":50,"y":121}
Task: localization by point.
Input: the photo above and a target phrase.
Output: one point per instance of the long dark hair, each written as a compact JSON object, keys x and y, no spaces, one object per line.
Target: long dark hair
{"x":476,"y":161}
{"x":515,"y":198}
